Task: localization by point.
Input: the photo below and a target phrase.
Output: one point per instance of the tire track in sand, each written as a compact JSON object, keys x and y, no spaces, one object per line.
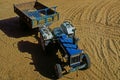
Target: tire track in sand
{"x":92,"y":28}
{"x":77,"y":13}
{"x":91,"y":12}
{"x":68,"y":11}
{"x":114,"y":54}
{"x":71,"y":13}
{"x":114,"y":16}
{"x":91,"y":50}
{"x":107,"y":59}
{"x":97,"y":11}
{"x":102,"y":16}
{"x":87,"y":12}
{"x":95,"y":44}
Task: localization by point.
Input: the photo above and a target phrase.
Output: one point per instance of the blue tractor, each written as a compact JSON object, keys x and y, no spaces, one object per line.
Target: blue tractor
{"x":70,"y":57}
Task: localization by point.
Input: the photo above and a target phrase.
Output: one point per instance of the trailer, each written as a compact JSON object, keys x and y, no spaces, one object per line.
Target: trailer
{"x":34,"y":13}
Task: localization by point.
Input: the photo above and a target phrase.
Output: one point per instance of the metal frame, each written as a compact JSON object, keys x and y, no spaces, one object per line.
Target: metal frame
{"x":46,"y":15}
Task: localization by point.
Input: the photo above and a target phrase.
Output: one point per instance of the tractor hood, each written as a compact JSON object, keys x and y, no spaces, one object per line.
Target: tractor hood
{"x":68,"y":44}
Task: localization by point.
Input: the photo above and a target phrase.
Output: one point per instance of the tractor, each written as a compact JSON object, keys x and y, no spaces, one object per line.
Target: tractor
{"x":70,"y":57}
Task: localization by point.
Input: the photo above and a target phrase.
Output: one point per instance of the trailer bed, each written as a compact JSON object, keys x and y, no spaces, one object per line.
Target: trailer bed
{"x":35,"y":13}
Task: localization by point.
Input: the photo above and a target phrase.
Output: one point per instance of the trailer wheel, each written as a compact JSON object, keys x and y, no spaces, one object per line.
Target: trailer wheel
{"x":58,"y":71}
{"x":85,"y":64}
{"x":23,"y":25}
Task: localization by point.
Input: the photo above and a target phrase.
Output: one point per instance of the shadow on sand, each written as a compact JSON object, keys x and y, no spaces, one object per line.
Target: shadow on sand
{"x":44,"y":64}
{"x":12,"y":28}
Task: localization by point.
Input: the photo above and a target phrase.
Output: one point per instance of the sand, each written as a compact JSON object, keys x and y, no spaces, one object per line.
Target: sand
{"x":98,"y":27}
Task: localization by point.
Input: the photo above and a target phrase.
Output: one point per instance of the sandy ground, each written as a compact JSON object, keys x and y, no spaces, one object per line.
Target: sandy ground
{"x":98,"y":27}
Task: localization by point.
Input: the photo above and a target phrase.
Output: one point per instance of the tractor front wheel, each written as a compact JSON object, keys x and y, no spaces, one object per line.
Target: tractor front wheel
{"x":58,"y":71}
{"x":85,"y":61}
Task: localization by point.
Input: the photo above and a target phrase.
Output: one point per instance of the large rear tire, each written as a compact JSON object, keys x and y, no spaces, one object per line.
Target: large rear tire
{"x":85,"y":64}
{"x":58,"y":71}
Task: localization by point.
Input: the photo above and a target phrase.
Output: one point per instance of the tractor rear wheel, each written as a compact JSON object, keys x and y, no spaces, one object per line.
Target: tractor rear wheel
{"x":58,"y":71}
{"x":85,"y":61}
{"x":42,"y":42}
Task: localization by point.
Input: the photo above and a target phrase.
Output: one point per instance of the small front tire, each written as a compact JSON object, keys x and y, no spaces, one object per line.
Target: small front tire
{"x":85,"y":61}
{"x":58,"y":71}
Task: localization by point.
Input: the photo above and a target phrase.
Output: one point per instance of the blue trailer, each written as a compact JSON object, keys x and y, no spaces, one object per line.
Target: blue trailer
{"x":35,"y":13}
